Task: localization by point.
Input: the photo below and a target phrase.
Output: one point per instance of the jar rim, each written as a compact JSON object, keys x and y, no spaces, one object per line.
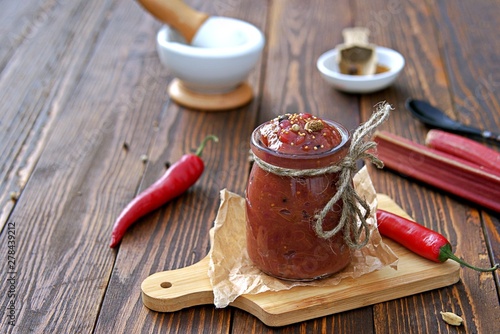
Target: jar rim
{"x":345,"y":135}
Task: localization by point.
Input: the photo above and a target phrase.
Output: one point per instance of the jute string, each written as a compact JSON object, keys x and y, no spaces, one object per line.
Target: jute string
{"x":359,"y":149}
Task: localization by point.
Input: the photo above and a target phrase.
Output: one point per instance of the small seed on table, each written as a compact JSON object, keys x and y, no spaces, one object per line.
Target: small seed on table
{"x":451,"y":318}
{"x":14,"y":196}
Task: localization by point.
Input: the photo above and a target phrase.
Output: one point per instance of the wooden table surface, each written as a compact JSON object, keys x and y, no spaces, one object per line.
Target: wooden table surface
{"x":83,"y":97}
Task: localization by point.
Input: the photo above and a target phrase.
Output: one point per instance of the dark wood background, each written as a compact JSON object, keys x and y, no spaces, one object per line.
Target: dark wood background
{"x":83,"y":97}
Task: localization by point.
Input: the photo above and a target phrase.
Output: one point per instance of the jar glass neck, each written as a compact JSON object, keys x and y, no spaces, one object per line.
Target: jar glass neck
{"x":301,"y":161}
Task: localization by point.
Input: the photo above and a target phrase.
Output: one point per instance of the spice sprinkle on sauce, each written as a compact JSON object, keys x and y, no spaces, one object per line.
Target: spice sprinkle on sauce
{"x":300,"y":134}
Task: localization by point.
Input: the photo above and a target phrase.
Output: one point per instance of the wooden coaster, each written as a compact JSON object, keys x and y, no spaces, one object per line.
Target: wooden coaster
{"x":239,"y":97}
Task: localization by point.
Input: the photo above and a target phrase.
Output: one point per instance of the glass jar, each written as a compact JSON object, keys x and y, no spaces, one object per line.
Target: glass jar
{"x":281,"y":239}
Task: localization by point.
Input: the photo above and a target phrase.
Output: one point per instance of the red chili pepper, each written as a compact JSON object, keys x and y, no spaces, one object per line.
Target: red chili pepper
{"x":419,"y":239}
{"x":178,"y":178}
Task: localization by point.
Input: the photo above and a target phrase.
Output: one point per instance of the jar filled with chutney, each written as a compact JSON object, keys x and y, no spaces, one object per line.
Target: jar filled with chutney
{"x":282,"y":202}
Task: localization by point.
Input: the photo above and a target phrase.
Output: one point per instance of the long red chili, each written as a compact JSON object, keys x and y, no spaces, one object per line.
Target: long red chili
{"x":177,"y":179}
{"x":419,"y":239}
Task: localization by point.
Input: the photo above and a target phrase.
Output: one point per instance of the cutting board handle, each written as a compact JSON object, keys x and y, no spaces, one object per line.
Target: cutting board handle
{"x":172,"y":290}
{"x":176,"y":14}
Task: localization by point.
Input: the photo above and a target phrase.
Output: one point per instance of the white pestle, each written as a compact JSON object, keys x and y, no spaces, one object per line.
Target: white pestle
{"x":197,"y":28}
{"x":217,"y":32}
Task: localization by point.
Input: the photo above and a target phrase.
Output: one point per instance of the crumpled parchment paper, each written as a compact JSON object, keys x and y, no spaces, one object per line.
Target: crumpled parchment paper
{"x":232,"y":273}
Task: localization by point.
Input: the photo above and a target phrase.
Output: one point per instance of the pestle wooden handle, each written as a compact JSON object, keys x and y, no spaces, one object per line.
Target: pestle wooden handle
{"x":176,"y":14}
{"x":169,"y":291}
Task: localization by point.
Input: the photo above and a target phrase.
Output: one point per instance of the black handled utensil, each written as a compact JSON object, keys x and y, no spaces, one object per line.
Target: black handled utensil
{"x":434,"y":117}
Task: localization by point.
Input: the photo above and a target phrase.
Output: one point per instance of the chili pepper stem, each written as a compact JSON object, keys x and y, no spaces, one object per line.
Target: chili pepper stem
{"x":446,"y":253}
{"x":176,"y":180}
{"x":204,"y":142}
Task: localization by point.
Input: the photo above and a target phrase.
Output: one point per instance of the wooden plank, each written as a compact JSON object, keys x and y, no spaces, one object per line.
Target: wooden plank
{"x":298,"y":34}
{"x":18,"y":22}
{"x":84,"y":175}
{"x":41,"y":60}
{"x":424,"y":33}
{"x":472,"y":63}
{"x":165,"y":239}
{"x":471,"y":59}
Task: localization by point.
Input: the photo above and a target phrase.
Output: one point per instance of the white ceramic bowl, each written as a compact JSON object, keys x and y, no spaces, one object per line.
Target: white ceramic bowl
{"x":328,"y":67}
{"x":216,"y":69}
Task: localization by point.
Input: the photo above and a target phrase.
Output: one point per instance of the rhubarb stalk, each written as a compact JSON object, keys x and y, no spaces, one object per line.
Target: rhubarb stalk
{"x":439,"y":169}
{"x":464,"y":148}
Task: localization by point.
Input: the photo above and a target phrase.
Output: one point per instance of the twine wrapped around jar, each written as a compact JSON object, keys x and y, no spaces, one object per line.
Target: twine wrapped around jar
{"x":359,"y":149}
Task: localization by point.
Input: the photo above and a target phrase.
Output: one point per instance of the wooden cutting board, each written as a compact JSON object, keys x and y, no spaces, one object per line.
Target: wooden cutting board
{"x":173,"y":290}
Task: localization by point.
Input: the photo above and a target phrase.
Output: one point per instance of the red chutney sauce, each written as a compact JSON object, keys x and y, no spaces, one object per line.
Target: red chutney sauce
{"x":281,"y":239}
